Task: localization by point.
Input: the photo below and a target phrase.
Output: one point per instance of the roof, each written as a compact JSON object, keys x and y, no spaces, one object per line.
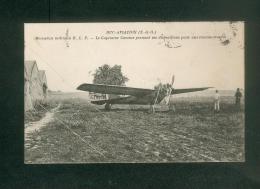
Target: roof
{"x":28,"y":68}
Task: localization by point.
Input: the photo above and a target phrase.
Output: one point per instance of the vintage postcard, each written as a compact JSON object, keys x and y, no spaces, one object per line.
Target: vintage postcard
{"x":141,"y":92}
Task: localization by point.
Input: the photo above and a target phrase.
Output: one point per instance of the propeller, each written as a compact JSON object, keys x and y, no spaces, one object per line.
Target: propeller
{"x":170,"y":91}
{"x":172,"y":80}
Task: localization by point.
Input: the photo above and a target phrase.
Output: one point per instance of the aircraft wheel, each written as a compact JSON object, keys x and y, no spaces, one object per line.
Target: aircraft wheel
{"x":108,"y":107}
{"x":172,"y":107}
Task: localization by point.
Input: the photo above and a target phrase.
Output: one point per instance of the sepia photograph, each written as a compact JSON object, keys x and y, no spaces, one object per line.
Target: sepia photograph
{"x":134,"y":92}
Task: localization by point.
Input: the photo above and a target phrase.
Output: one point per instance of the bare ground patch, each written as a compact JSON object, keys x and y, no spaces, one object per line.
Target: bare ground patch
{"x":193,"y":133}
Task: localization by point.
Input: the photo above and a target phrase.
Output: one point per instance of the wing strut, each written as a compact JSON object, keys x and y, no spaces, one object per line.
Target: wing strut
{"x":170,"y":92}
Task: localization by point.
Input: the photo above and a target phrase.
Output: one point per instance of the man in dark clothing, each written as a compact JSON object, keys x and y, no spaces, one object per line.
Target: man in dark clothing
{"x":44,"y":88}
{"x":238,"y":96}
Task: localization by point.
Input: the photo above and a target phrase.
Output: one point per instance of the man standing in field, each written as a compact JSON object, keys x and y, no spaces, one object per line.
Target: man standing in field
{"x":216,"y":101}
{"x":238,"y":96}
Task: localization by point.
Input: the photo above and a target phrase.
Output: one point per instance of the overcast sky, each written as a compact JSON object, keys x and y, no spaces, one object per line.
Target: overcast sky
{"x":194,"y":62}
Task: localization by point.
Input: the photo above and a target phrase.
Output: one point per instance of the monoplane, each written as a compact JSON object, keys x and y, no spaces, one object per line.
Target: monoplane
{"x":130,"y":95}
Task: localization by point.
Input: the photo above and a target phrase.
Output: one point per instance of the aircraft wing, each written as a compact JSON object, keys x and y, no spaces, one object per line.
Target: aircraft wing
{"x":114,"y":89}
{"x":188,"y":90}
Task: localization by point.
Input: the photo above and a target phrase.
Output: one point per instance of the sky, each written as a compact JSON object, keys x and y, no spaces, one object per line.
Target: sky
{"x":146,"y":59}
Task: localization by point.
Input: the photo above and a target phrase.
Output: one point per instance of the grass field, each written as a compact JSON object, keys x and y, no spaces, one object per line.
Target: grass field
{"x":84,"y":133}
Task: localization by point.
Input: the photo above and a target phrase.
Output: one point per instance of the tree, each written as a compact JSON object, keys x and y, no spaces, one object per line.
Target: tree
{"x":109,"y":75}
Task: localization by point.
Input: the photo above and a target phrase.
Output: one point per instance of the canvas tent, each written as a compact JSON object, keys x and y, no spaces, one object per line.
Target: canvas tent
{"x":35,"y":85}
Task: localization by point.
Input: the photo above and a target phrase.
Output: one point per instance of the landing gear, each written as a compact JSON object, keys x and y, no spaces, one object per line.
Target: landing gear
{"x":108,"y":107}
{"x":171,"y":107}
{"x":152,"y":110}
